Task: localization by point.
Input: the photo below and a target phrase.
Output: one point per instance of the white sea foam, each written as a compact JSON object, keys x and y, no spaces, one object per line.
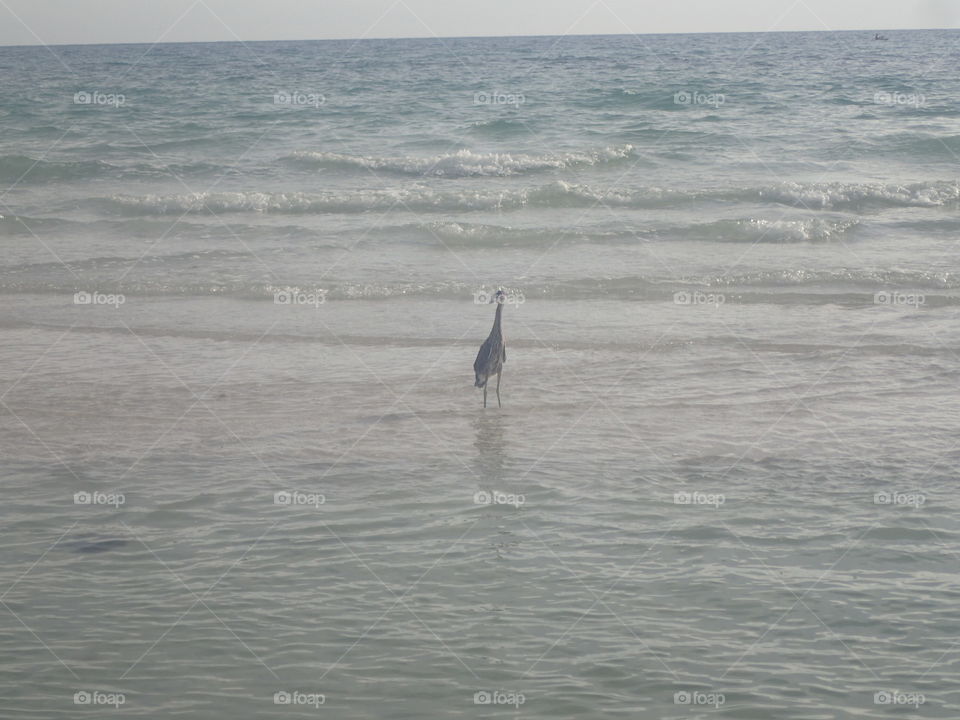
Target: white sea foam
{"x":846,"y":195}
{"x":430,"y":198}
{"x":464,"y":163}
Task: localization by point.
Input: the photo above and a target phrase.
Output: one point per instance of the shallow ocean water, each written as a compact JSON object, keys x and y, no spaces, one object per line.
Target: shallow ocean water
{"x":722,"y":481}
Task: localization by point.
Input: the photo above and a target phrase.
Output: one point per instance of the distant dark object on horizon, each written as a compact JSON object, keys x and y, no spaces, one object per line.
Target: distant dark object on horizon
{"x":878,"y":36}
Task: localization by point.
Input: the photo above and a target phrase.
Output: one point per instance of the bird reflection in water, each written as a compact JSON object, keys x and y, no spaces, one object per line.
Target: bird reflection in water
{"x":491,"y":452}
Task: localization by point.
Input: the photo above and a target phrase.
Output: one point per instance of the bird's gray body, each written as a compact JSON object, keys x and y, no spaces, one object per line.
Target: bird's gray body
{"x":492,"y":355}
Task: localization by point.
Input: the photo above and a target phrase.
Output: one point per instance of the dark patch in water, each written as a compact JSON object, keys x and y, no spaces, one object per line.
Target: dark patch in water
{"x":92,"y":545}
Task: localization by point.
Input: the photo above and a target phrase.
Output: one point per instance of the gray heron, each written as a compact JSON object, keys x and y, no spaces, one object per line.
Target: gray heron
{"x":493,"y":352}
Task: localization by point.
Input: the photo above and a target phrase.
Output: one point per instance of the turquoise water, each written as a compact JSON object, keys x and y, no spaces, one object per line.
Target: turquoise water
{"x":722,"y":482}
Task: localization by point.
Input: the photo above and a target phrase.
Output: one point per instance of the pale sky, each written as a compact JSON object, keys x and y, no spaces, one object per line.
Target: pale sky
{"x":31,"y":22}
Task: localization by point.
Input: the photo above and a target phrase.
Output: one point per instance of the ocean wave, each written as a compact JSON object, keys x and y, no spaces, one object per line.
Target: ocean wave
{"x":167,"y":277}
{"x":501,"y":127}
{"x":862,"y":195}
{"x":747,"y":230}
{"x":421,"y":200}
{"x":479,"y":234}
{"x":560,"y":194}
{"x":796,"y":287}
{"x":933,"y":146}
{"x":417,"y":198}
{"x":658,"y":99}
{"x":29,"y":170}
{"x":759,"y":230}
{"x":22,"y":225}
{"x":464,"y":163}
{"x":867,"y":281}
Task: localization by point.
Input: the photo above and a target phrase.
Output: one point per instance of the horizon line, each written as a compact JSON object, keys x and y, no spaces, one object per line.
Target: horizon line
{"x":476,"y":37}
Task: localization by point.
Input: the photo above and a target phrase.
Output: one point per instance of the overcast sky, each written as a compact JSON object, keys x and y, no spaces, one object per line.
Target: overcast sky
{"x":29,"y":22}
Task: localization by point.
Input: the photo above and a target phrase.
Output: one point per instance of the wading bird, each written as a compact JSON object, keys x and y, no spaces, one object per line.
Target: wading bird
{"x":493,"y":352}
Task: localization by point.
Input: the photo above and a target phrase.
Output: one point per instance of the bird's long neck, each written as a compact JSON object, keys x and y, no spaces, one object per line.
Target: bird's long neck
{"x":496,"y":318}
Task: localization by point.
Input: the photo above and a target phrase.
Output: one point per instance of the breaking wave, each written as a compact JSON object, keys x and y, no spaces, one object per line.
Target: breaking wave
{"x":464,"y":163}
{"x":422,"y":198}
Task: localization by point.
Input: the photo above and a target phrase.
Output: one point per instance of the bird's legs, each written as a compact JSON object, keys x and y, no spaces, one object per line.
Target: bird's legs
{"x":484,"y":393}
{"x":498,"y":388}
